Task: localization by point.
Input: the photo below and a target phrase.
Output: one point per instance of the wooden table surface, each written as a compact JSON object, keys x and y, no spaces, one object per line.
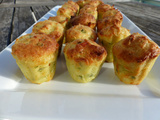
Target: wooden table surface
{"x":18,"y":15}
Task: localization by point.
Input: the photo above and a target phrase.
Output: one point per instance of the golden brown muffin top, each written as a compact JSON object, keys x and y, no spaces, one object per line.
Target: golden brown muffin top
{"x":104,"y":7}
{"x":72,"y":5}
{"x":112,"y":20}
{"x":136,"y":48}
{"x":90,"y":10}
{"x":112,"y":12}
{"x":86,"y":51}
{"x":33,"y":46}
{"x":68,"y":12}
{"x":51,"y":28}
{"x":63,"y":20}
{"x":84,"y":19}
{"x":113,"y":33}
{"x":80,"y":3}
{"x":80,"y":32}
{"x":95,"y":3}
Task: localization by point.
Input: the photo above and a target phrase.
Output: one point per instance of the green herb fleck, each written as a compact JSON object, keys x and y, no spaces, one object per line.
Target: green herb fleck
{"x":41,"y":69}
{"x":83,"y":31}
{"x":133,"y":77}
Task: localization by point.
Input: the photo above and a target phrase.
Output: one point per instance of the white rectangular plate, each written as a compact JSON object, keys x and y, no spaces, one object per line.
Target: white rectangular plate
{"x":105,"y":98}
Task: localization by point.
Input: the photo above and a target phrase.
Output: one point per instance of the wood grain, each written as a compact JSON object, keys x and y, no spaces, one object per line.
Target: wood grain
{"x":29,"y":3}
{"x":40,"y":11}
{"x":22,"y":20}
{"x":5,"y":26}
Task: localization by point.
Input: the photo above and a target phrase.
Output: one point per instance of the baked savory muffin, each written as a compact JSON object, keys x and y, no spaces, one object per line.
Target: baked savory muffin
{"x":102,"y":8}
{"x":112,"y":12}
{"x":109,"y":36}
{"x":90,"y":10}
{"x":84,"y":59}
{"x":36,"y":56}
{"x":134,"y":57}
{"x":60,"y":19}
{"x":84,"y":19}
{"x":95,"y":3}
{"x":112,"y":20}
{"x":68,"y":12}
{"x":72,"y":5}
{"x":51,"y":28}
{"x":80,"y":32}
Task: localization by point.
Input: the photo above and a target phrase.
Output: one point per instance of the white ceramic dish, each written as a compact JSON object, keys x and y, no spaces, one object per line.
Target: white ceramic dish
{"x":105,"y":98}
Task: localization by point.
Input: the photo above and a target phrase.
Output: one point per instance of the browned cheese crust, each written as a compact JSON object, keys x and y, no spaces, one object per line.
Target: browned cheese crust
{"x":60,"y":19}
{"x":95,"y":3}
{"x":84,"y":19}
{"x":102,"y":8}
{"x":71,"y":5}
{"x":136,"y":48}
{"x":112,"y":12}
{"x":66,"y":12}
{"x":112,"y":20}
{"x":51,"y":28}
{"x":80,"y":32}
{"x":85,"y":51}
{"x":109,"y":36}
{"x":113,"y":33}
{"x":90,"y":10}
{"x":134,"y":57}
{"x":34,"y":46}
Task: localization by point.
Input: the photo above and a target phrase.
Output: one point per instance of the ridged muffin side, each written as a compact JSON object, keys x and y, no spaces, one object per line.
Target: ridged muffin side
{"x":36,"y":56}
{"x":134,"y":57}
{"x":109,"y":36}
{"x":84,"y":59}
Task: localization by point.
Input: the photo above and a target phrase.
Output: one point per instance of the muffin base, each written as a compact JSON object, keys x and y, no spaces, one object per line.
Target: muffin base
{"x":133,"y":73}
{"x":81,"y":72}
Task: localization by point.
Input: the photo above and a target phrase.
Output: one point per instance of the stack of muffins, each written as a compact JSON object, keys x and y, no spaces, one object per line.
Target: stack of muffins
{"x":36,"y":53}
{"x":84,"y":57}
{"x":78,"y":23}
{"x":109,"y":28}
